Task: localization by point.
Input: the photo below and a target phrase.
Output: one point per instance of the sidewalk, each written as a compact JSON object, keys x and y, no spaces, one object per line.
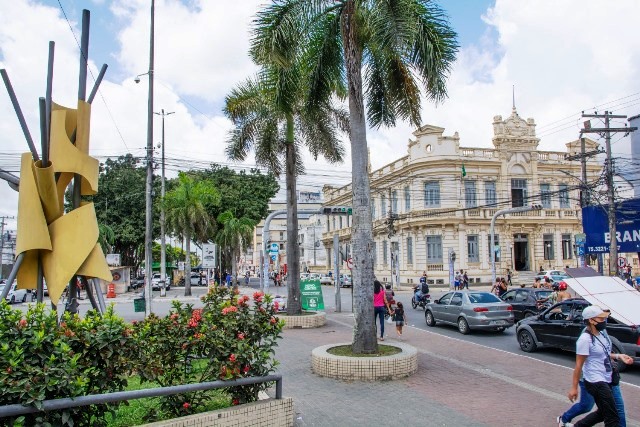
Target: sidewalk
{"x":458,"y":384}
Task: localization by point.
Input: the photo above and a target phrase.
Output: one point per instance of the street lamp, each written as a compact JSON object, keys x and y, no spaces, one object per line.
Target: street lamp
{"x":148,"y":234}
{"x":492,"y":233}
{"x":163,"y":243}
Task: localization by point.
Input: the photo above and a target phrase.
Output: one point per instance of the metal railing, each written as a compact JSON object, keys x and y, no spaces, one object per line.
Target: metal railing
{"x":96,"y":399}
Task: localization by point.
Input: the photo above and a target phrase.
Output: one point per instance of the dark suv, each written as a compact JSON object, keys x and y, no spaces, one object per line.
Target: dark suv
{"x":560,"y":326}
{"x":523,"y":301}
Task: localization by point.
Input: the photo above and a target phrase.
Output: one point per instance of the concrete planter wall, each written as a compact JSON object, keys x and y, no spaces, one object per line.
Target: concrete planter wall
{"x":314,"y":320}
{"x":392,"y":367}
{"x":270,"y":412}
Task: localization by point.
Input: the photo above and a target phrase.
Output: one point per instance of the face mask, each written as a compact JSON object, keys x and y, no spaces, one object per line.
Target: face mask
{"x":601,"y":326}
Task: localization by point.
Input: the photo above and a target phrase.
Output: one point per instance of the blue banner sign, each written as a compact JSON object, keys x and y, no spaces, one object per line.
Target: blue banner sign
{"x":596,"y":226}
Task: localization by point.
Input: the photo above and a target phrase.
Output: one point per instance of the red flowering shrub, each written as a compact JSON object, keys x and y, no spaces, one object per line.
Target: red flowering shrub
{"x":41,"y":359}
{"x":227,"y":339}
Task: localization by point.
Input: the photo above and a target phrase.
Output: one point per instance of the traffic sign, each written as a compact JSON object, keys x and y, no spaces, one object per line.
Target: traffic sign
{"x":350,"y":263}
{"x":274,"y":257}
{"x":581,"y":238}
{"x":274,"y":248}
{"x":622,"y":262}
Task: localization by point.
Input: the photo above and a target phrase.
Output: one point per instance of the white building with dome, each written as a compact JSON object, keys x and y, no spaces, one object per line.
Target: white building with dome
{"x":442,"y":196}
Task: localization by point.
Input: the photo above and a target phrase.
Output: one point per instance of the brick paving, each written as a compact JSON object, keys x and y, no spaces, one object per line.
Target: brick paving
{"x":458,"y":384}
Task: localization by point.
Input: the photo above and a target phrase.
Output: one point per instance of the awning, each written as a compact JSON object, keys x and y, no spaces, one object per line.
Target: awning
{"x":612,"y":293}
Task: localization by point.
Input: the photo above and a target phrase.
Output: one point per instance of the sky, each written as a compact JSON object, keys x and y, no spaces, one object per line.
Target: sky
{"x":561,"y":57}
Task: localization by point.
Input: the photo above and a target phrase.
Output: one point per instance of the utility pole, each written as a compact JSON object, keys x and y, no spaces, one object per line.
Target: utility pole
{"x":2,"y":224}
{"x":148,"y":234}
{"x":611,"y":211}
{"x":163,"y":242}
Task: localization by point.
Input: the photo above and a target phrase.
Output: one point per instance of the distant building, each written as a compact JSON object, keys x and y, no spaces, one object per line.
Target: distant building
{"x":443,"y":197}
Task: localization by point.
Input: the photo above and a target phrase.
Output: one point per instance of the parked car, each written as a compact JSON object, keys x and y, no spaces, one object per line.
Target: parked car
{"x":554,"y":275}
{"x":282,"y":302}
{"x":157,"y":282}
{"x":523,"y":301}
{"x":470,"y":310}
{"x":561,"y":324}
{"x":14,"y":294}
{"x":198,"y":280}
{"x":345,"y":281}
{"x":326,"y":280}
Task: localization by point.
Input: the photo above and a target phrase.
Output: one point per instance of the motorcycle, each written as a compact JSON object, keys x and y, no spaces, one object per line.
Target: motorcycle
{"x":422,"y":301}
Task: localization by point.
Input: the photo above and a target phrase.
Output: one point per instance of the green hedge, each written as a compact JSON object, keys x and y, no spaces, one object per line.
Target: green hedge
{"x":231,"y":337}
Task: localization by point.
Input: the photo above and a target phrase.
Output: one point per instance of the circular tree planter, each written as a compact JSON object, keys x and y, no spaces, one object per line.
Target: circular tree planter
{"x":396,"y":366}
{"x":304,"y":321}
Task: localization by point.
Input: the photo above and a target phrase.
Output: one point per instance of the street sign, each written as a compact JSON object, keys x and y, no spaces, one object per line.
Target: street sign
{"x":350,"y":263}
{"x":209,"y":255}
{"x":580,"y":250}
{"x":274,"y":257}
{"x":311,"y":295}
{"x":622,"y":262}
{"x":581,"y":238}
{"x":274,"y":248}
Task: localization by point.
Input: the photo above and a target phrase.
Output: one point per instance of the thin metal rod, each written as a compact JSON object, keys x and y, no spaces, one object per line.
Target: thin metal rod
{"x":18,"y":110}
{"x":12,"y":276}
{"x":96,"y":85}
{"x":77,"y":178}
{"x":48,"y":102}
{"x":44,"y":142}
{"x":96,"y":399}
{"x":89,"y":290}
{"x":40,"y":282}
{"x":9,"y":177}
{"x":98,"y":293}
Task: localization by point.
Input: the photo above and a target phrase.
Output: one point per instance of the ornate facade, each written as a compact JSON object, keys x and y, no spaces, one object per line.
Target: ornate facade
{"x":441,"y":197}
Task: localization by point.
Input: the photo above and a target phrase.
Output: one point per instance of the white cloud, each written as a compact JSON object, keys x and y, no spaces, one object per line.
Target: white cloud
{"x":562,"y":57}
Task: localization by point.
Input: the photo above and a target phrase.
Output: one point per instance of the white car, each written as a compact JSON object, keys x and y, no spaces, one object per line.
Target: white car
{"x":15,"y":294}
{"x":156,"y":282}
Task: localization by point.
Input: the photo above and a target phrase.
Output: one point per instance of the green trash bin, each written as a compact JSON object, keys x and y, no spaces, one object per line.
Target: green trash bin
{"x":139,"y":305}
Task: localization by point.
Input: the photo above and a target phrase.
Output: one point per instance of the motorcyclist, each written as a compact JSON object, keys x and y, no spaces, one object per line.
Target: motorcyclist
{"x":421,"y":289}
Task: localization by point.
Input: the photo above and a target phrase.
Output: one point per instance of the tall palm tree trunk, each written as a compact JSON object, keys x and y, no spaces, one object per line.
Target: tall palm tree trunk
{"x":187,"y":266}
{"x":293,"y":250}
{"x":235,"y":252}
{"x":364,"y":334}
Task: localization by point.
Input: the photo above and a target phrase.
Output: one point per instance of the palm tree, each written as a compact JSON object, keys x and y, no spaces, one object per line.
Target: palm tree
{"x":234,"y":236}
{"x":270,"y":117}
{"x":186,"y":213}
{"x":397,"y":42}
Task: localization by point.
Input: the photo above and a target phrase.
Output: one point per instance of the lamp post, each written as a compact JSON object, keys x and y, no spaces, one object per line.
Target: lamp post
{"x":163,"y":243}
{"x":148,"y":235}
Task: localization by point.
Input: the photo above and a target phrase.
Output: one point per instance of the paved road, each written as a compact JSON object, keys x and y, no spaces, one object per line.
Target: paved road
{"x":505,"y":341}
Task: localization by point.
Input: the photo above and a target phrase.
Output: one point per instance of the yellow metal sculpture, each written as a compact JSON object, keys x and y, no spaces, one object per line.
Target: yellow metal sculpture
{"x":66,"y":244}
{"x":53,"y":245}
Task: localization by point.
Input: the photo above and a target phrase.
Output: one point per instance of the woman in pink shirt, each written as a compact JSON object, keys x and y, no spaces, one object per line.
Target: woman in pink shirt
{"x":379,"y":303}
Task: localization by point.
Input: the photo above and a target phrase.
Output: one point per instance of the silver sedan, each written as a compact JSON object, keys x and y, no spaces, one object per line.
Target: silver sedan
{"x":470,"y":310}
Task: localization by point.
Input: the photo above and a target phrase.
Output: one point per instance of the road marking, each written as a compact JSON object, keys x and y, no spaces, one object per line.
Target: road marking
{"x":488,"y":372}
{"x":507,"y":352}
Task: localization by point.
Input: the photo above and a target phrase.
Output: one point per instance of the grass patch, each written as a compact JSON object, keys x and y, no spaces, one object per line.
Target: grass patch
{"x":345,"y":350}
{"x":147,"y":410}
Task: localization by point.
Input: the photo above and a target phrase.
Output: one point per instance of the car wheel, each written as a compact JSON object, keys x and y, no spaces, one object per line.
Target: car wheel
{"x":13,"y":299}
{"x":24,"y":298}
{"x":526,"y":341}
{"x":463,"y":326}
{"x":168,"y":288}
{"x":428,"y":317}
{"x":413,"y":303}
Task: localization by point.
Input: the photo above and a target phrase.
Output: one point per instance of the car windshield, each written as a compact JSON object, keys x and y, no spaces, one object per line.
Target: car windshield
{"x":482,"y":298}
{"x":543,"y":294}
